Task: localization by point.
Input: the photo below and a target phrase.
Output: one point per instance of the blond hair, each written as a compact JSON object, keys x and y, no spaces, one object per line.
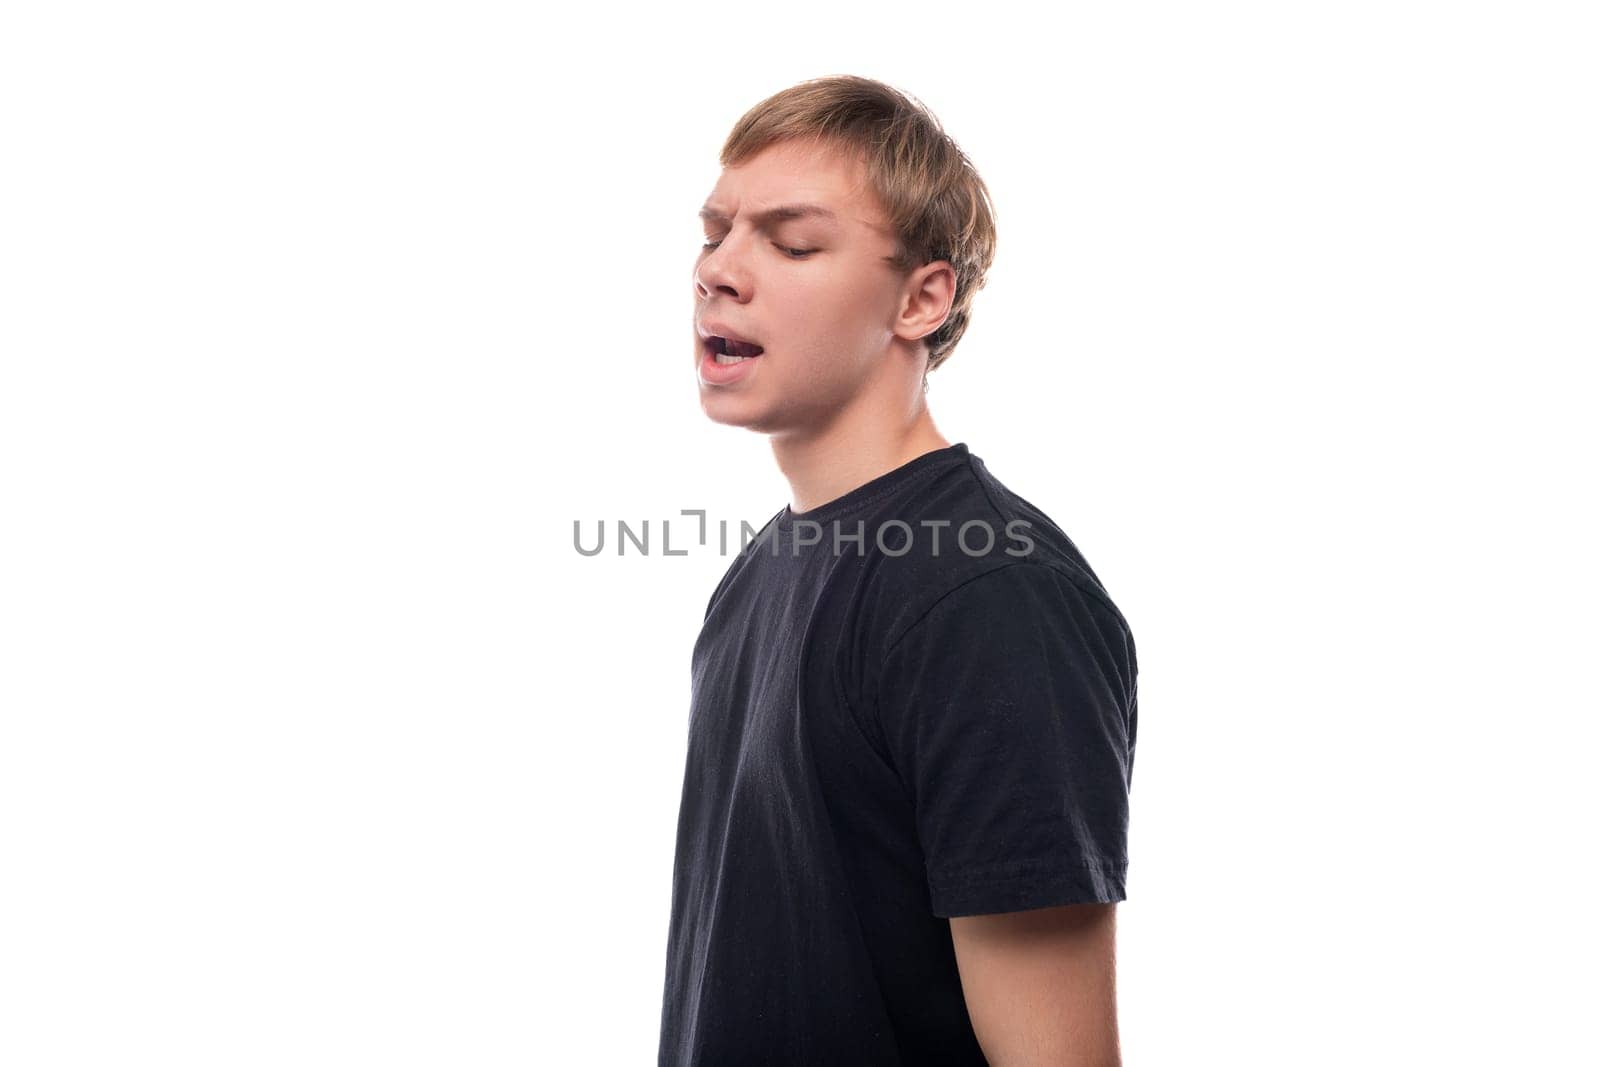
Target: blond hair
{"x":937,"y":205}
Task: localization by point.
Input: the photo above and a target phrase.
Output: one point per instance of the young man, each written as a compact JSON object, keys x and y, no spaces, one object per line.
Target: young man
{"x":902,"y":832}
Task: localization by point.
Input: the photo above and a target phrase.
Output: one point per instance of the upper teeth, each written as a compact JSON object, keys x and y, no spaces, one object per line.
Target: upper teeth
{"x":722,"y":349}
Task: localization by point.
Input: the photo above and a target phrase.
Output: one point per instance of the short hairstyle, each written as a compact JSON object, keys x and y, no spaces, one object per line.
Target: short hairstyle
{"x":936,"y":203}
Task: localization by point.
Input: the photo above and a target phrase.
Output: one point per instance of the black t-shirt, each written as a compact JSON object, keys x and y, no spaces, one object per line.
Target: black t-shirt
{"x":913,"y":702}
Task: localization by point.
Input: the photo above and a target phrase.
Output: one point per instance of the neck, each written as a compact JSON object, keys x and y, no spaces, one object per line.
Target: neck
{"x":868,"y":437}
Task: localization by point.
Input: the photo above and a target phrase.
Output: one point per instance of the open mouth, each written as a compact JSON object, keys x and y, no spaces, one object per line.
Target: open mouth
{"x":727,"y":352}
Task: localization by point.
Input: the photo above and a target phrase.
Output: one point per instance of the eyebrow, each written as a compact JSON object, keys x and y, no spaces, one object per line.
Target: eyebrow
{"x":781,"y":213}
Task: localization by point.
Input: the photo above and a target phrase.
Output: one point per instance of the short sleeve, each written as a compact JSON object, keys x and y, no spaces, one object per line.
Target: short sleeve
{"x":1009,"y":709}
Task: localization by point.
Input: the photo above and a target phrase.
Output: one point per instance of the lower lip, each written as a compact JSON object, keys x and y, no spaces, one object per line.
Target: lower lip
{"x":714,"y":373}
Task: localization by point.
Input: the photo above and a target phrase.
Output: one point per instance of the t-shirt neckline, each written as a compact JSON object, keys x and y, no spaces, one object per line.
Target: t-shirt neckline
{"x":869,"y":490}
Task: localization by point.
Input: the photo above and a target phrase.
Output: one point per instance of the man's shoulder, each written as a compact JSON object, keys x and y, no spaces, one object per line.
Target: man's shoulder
{"x":954,"y":538}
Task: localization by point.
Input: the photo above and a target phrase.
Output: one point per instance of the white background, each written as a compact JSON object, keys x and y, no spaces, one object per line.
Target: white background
{"x":322,"y":323}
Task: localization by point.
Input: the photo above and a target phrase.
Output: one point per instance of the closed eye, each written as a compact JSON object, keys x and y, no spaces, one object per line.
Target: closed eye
{"x":795,"y":253}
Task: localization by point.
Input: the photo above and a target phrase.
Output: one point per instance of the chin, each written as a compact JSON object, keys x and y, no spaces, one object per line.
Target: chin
{"x":729,"y":410}
{"x":718,"y":410}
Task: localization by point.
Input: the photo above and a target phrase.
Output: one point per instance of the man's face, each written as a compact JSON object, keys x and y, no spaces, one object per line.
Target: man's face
{"x":814,"y":291}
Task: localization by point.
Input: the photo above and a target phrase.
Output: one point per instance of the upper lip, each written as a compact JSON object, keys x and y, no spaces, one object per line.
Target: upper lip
{"x":717,"y":329}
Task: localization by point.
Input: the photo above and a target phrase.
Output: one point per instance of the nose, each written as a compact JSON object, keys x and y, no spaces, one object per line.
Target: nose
{"x":719,"y":270}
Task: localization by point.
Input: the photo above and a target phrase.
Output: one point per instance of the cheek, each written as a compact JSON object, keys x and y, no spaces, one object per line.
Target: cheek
{"x":829,"y":307}
{"x":834,"y":318}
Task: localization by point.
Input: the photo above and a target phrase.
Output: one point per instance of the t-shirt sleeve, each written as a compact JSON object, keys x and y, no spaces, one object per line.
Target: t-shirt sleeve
{"x":1009,"y":711}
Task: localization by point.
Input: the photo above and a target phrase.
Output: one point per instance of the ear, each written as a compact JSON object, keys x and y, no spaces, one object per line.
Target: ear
{"x":929,"y":293}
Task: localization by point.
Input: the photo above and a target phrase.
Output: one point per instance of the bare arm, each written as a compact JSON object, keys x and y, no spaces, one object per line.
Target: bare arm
{"x":1040,"y":985}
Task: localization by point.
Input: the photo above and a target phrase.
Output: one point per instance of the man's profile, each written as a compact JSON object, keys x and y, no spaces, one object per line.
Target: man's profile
{"x":903,"y":826}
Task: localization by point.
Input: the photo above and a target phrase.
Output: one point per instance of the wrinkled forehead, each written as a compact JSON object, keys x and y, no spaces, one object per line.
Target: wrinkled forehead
{"x":794,"y":180}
